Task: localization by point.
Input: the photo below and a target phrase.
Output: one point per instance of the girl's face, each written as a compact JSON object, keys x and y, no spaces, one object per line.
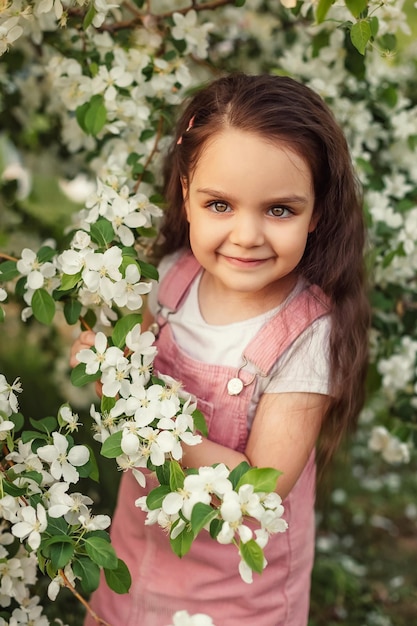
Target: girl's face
{"x":249,"y":203}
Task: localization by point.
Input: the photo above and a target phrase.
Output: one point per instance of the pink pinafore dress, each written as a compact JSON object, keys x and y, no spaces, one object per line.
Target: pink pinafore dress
{"x":206,"y":580}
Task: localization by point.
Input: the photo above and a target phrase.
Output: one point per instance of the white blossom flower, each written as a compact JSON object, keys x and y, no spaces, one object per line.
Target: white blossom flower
{"x":9,"y":508}
{"x":10,"y":30}
{"x":63,"y":462}
{"x":140,"y":342}
{"x":59,"y":501}
{"x":29,"y":612}
{"x":24,"y":460}
{"x":101,"y":265}
{"x":392,"y":449}
{"x":115,"y":378}
{"x":179,"y":429}
{"x":58,"y":582}
{"x":36,"y":272}
{"x":101,"y":356}
{"x":182,"y":618}
{"x":106,"y":81}
{"x":9,"y":393}
{"x":69,"y":418}
{"x":128,"y":291}
{"x":188,"y":29}
{"x":33,"y":523}
{"x":123,"y":215}
{"x":94,"y":522}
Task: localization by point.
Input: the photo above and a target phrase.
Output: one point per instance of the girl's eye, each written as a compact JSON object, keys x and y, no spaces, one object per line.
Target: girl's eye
{"x":219,"y":207}
{"x":279,"y":211}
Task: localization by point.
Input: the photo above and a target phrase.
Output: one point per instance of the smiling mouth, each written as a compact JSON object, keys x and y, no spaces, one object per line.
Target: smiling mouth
{"x":242,"y":261}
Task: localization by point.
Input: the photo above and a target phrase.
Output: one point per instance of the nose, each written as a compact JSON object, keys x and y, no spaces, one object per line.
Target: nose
{"x":247,"y":230}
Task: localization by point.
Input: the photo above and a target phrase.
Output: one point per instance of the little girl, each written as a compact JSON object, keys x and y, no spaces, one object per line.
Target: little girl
{"x":261,"y":312}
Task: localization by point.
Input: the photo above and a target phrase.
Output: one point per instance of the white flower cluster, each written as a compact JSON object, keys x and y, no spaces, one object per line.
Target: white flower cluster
{"x":392,"y":449}
{"x":16,"y":572}
{"x":236,"y":507}
{"x":152,"y":419}
{"x":399,"y":371}
{"x":102,"y":280}
{"x":45,"y":477}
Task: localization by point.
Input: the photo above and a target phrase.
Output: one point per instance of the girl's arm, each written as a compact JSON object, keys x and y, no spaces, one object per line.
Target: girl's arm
{"x":284,"y":432}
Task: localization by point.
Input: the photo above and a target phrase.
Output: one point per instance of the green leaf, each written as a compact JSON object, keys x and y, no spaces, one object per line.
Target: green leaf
{"x":57,"y":526}
{"x":322,"y":9}
{"x":176,"y":476}
{"x":36,"y":437}
{"x":12,"y":490}
{"x":61,"y":553}
{"x":240,"y":3}
{"x":263,"y":479}
{"x":387,"y":41}
{"x":18,"y":420}
{"x":236,"y":474}
{"x":45,"y":425}
{"x":72,"y":311}
{"x":88,"y":573}
{"x":253,"y":555}
{"x":8,"y":271}
{"x":356,"y":7}
{"x":119,"y":579}
{"x":111,"y":447}
{"x":68,"y":281}
{"x":107,"y":404}
{"x":91,"y":116}
{"x":200,"y":423}
{"x":215,"y":527}
{"x":95,"y":117}
{"x":2,"y":314}
{"x":147,"y":134}
{"x":183,"y":542}
{"x":43,"y":306}
{"x":123,"y":326}
{"x":374,"y":26}
{"x":155,"y":497}
{"x":101,"y":552}
{"x":45,"y":254}
{"x":147,"y":270}
{"x":360,"y":34}
{"x":90,"y":469}
{"x":162,"y":472}
{"x":80,"y":378}
{"x":102,"y":232}
{"x":201,"y":515}
{"x":32,"y":475}
{"x":89,"y":16}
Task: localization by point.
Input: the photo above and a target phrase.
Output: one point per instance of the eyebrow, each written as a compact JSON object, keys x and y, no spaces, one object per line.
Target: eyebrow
{"x":290,"y":199}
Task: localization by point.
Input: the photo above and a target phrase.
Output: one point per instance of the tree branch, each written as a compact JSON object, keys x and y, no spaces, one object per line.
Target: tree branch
{"x":83,"y":601}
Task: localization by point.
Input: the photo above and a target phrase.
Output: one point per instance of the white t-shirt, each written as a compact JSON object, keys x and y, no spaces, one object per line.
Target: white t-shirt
{"x":303,"y":367}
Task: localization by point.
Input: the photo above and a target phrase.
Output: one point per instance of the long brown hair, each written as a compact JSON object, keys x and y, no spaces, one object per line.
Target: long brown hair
{"x":281,"y":109}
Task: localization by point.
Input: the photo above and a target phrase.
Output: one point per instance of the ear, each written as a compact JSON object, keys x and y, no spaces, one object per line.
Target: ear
{"x":313,"y":222}
{"x":184,"y":186}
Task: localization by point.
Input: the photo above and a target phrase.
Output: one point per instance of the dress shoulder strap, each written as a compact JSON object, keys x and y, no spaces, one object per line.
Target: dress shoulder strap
{"x":284,"y":328}
{"x":177,"y":281}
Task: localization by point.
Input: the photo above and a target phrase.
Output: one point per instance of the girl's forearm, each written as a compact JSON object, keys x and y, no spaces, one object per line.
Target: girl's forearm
{"x":209,"y":452}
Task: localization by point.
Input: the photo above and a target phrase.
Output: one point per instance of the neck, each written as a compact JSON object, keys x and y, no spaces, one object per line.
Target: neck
{"x":219,"y":306}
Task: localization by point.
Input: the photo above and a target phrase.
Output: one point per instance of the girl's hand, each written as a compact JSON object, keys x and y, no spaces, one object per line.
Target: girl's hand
{"x":84,"y":341}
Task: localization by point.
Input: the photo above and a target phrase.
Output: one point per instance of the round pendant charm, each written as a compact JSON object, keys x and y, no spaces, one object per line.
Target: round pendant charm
{"x":154,"y":328}
{"x":234,"y":386}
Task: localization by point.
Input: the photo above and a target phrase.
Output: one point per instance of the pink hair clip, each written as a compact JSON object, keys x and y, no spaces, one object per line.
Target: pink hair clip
{"x":189,"y":127}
